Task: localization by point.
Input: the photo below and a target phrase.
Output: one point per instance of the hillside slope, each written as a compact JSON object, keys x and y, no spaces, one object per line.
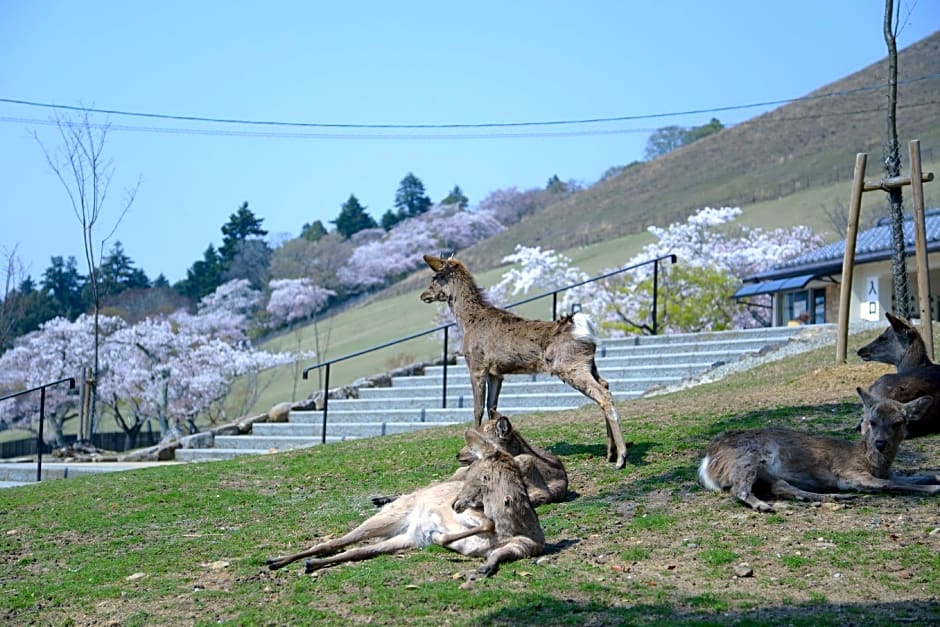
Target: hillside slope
{"x":804,"y":144}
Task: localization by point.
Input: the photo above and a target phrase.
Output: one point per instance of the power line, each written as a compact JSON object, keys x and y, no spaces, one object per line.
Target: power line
{"x":419,"y":136}
{"x":326,"y":125}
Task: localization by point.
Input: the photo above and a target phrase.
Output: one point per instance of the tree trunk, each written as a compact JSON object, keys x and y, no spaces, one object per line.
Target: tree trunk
{"x":892,"y":161}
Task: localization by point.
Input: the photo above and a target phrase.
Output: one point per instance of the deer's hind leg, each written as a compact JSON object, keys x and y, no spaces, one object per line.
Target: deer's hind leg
{"x":389,"y":521}
{"x":744,"y":474}
{"x":514,"y":548}
{"x":583,"y":381}
{"x":494,"y":383}
{"x":391,"y":545}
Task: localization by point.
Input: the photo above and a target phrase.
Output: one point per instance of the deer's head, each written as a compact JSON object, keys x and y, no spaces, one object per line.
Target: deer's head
{"x":884,"y":424}
{"x":440,"y":289}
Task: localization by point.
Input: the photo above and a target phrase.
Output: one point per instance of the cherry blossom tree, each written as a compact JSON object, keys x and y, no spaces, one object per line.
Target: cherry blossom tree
{"x":714,"y":255}
{"x":294,"y":300}
{"x":58,"y":349}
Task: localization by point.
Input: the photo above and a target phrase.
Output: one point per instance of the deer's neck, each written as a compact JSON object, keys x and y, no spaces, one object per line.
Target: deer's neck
{"x":914,"y":357}
{"x":467,"y":302}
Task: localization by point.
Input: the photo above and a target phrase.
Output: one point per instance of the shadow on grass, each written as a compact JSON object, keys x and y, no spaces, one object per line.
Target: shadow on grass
{"x":635,"y":454}
{"x":548,"y":610}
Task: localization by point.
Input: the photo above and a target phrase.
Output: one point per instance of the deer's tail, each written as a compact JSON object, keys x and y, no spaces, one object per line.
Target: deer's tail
{"x":704,"y":476}
{"x":583,"y":328}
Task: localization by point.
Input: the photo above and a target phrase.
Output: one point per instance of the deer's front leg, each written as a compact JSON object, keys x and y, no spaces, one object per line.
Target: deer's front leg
{"x":478,"y":384}
{"x":494,"y":384}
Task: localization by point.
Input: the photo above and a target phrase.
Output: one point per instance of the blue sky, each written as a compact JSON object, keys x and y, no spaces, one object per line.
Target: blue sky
{"x":401,"y":63}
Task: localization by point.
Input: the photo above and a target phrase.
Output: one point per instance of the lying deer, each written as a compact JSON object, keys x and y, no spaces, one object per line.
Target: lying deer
{"x":800,"y":466}
{"x":497,"y":342}
{"x":902,"y":346}
{"x":544,"y":475}
{"x":546,"y":480}
{"x":486,"y":514}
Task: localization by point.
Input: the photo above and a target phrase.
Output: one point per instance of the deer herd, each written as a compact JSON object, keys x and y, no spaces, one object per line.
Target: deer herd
{"x":487,"y":507}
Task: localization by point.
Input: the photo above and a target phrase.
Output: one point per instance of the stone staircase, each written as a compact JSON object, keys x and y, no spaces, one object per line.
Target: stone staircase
{"x":631,"y":366}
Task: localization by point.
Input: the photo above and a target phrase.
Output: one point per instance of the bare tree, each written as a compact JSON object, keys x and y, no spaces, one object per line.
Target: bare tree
{"x":892,"y":161}
{"x":79,"y":162}
{"x":11,"y":307}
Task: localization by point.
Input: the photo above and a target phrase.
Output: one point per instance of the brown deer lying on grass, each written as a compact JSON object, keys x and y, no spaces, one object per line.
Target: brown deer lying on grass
{"x":486,"y":514}
{"x":902,"y":346}
{"x":544,"y":475}
{"x":497,"y":342}
{"x":800,"y":466}
{"x":546,"y":480}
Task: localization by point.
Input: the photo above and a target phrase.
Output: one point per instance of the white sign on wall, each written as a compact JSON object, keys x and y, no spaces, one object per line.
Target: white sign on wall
{"x":871,"y":306}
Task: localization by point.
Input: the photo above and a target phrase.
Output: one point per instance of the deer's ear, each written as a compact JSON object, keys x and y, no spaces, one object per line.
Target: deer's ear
{"x":898,"y":324}
{"x":477,"y":444}
{"x":867,"y":399}
{"x":915,"y":409}
{"x":503,"y":426}
{"x":436,"y":263}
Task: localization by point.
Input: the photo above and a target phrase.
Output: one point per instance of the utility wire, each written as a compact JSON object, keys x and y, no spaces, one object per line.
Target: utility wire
{"x":325,"y":125}
{"x":420,"y":136}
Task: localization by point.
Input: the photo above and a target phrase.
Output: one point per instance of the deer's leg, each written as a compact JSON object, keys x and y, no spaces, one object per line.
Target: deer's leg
{"x":494,"y":383}
{"x":514,"y":548}
{"x":478,"y":385}
{"x":583,"y":381}
{"x":387,"y":522}
{"x":784,"y":489}
{"x":874,"y":484}
{"x":743,"y":475}
{"x":919,"y":479}
{"x":391,"y":545}
{"x":443,"y":539}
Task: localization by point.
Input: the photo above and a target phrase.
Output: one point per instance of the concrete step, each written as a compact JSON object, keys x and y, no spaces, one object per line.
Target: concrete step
{"x":350,"y":430}
{"x":24,"y":473}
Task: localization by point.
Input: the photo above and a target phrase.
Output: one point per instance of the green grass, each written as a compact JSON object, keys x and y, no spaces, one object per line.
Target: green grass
{"x":186,"y":544}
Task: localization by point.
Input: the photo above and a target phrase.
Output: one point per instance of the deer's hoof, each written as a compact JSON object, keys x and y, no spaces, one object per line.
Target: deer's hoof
{"x":488,"y":570}
{"x":274,"y":563}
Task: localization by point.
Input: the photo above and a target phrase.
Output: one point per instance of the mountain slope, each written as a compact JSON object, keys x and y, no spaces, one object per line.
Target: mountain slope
{"x":808,"y":143}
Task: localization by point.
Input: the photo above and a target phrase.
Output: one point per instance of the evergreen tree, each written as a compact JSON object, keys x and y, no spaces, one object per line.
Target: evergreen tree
{"x":203,"y":277}
{"x":64,"y":285}
{"x":456,"y":197}
{"x":240,"y":226}
{"x":411,"y":198}
{"x":390,"y":219}
{"x":313,"y":232}
{"x":118,"y":273}
{"x":353,"y":218}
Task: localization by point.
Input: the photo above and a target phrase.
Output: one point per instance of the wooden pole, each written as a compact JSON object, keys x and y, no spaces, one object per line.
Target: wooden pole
{"x":848,"y":259}
{"x":920,"y":248}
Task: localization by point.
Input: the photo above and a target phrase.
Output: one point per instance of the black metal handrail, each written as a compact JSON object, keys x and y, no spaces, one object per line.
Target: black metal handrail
{"x":444,"y":327}
{"x":42,"y":414}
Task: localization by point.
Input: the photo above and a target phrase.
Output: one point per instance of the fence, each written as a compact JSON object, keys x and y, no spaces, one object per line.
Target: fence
{"x":444,"y":327}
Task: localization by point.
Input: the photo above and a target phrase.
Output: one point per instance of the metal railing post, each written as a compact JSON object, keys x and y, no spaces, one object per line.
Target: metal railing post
{"x":326,"y":402}
{"x":655,"y":291}
{"x":39,"y":440}
{"x":555,"y":305}
{"x":444,"y":399}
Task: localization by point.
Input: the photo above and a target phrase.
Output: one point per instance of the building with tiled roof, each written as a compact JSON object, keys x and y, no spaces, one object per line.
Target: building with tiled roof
{"x":807,"y":287}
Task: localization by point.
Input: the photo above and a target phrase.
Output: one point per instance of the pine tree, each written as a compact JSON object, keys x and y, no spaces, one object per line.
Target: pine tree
{"x":411,"y":197}
{"x":353,"y":218}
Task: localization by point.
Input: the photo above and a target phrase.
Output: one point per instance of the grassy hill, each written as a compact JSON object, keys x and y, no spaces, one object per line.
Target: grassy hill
{"x":801,"y":146}
{"x":186,"y":544}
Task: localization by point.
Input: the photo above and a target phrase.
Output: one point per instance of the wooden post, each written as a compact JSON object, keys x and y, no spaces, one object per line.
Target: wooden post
{"x":920,"y":248}
{"x":848,"y":259}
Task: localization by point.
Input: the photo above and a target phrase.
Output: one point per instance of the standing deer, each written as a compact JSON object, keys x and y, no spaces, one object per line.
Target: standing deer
{"x":497,"y":342}
{"x":902,"y":346}
{"x":486,"y":514}
{"x":796,"y":465}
